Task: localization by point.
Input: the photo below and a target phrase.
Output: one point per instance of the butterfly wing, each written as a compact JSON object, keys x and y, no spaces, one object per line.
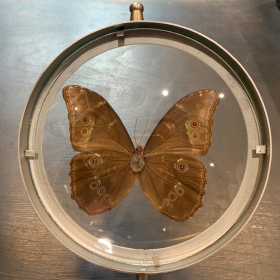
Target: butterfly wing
{"x":101,"y":175}
{"x":172,"y":178}
{"x":94,"y":125}
{"x":100,"y":180}
{"x":186,"y":127}
{"x":174,"y":184}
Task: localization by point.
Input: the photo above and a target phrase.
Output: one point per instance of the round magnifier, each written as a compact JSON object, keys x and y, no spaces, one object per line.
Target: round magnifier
{"x":142,"y":68}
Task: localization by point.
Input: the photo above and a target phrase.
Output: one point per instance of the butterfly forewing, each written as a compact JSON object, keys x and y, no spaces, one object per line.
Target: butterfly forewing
{"x":101,"y":175}
{"x":94,"y":125}
{"x":186,"y":127}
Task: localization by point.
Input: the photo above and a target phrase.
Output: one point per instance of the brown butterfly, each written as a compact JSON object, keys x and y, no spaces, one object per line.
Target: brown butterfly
{"x":166,"y":169}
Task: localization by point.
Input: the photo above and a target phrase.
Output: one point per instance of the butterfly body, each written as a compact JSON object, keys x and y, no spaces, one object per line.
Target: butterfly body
{"x":167,"y":169}
{"x":137,"y":161}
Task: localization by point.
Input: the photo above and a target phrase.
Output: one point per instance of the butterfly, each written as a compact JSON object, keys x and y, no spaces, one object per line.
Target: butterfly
{"x":108,"y":164}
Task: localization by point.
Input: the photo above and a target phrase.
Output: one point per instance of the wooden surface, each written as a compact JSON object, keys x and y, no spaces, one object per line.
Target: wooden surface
{"x":34,"y":32}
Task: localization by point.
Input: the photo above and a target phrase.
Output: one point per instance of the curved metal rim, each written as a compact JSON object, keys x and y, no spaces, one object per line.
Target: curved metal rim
{"x":234,"y":65}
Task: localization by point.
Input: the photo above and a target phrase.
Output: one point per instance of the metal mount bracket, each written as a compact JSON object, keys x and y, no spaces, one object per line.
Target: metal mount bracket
{"x":30,"y":153}
{"x":261,"y":149}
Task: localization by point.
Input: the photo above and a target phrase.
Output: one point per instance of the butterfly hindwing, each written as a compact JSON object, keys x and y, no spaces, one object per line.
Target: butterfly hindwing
{"x":186,"y":127}
{"x":99,"y":181}
{"x":174,"y":184}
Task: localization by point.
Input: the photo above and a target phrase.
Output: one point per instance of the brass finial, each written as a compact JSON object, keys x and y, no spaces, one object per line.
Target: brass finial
{"x":136,"y":10}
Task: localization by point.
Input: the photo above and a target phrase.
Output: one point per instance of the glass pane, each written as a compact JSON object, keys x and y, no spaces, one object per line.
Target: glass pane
{"x":135,"y":80}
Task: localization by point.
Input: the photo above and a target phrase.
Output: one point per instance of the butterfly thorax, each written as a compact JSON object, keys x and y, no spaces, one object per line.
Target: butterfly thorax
{"x":137,"y":161}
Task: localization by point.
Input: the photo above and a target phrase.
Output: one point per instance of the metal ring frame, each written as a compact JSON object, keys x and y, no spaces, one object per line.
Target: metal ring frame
{"x":138,"y":260}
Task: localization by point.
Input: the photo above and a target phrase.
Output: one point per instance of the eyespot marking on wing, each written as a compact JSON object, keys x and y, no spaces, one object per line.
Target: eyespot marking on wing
{"x":195,"y":135}
{"x":94,"y":185}
{"x":84,"y":131}
{"x":94,"y":161}
{"x":85,"y":120}
{"x":172,"y":196}
{"x":166,"y":202}
{"x":194,"y":124}
{"x":181,"y":166}
{"x":101,"y":191}
{"x":179,"y":190}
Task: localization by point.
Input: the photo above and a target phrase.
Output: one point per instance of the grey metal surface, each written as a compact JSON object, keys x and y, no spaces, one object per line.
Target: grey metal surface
{"x":25,"y":241}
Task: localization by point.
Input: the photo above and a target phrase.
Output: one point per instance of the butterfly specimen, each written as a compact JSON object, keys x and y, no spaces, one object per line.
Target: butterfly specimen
{"x":108,"y":164}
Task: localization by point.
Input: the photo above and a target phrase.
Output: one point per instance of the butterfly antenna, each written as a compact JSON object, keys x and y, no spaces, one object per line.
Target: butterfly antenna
{"x":144,"y":131}
{"x":134,"y":132}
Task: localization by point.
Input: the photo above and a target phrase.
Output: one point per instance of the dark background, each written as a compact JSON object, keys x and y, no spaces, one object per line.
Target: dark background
{"x":34,"y":32}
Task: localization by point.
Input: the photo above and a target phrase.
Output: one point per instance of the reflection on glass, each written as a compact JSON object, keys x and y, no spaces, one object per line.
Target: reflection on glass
{"x":107,"y":243}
